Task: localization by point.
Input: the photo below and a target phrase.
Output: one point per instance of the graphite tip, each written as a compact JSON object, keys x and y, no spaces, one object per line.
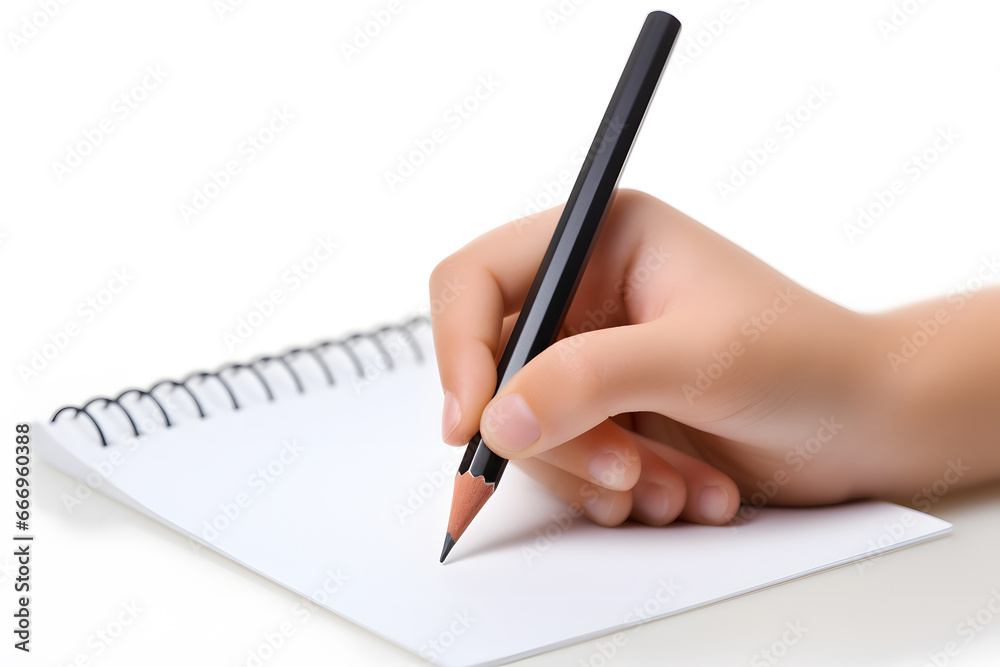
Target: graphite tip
{"x":448,"y":544}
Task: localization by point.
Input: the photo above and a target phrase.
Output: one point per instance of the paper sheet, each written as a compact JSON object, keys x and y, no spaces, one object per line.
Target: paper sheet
{"x":342,"y":494}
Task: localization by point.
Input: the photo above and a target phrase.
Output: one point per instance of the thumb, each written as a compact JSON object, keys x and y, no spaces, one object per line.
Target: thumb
{"x":579,"y":382}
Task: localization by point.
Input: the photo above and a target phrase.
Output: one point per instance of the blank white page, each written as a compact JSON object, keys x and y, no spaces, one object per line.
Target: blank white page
{"x":350,"y":484}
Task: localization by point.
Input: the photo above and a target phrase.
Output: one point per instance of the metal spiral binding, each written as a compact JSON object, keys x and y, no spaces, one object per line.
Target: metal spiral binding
{"x":314,"y":351}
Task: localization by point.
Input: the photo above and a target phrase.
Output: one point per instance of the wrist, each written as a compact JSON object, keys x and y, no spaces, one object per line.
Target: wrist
{"x":879,"y":404}
{"x":940,"y":370}
{"x":862,"y":395}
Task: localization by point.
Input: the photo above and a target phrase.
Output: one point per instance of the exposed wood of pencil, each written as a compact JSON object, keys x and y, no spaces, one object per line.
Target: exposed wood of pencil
{"x":470,"y":494}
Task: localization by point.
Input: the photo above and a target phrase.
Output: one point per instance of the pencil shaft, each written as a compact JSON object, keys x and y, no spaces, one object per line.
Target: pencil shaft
{"x":562,"y":267}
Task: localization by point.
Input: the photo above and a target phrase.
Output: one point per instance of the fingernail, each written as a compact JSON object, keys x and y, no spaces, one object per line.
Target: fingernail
{"x":450,"y":416}
{"x":653,"y":500}
{"x":608,"y":469}
{"x":713,"y":501}
{"x":510,"y":424}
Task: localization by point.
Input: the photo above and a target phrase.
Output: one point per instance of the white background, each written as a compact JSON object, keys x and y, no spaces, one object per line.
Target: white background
{"x":738,"y":69}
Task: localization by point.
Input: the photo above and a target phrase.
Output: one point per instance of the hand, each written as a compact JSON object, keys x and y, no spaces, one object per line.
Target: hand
{"x":688,"y":373}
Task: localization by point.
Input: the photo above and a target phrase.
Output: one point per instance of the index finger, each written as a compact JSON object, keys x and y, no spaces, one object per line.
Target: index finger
{"x":471,"y":292}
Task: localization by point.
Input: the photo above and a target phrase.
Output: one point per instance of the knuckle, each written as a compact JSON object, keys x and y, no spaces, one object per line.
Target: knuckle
{"x":441,"y":272}
{"x":632,"y":198}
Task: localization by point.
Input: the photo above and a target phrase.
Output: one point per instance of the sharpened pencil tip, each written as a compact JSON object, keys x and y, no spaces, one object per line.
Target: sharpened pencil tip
{"x":448,"y":544}
{"x":471,"y":493}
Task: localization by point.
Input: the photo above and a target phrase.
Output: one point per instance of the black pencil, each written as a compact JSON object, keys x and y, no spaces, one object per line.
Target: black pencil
{"x":562,"y":267}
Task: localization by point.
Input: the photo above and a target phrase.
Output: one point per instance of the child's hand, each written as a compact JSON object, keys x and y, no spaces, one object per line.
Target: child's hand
{"x":688,"y":373}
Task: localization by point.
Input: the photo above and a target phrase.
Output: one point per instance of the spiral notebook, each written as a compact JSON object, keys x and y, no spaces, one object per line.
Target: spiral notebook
{"x":268,"y":463}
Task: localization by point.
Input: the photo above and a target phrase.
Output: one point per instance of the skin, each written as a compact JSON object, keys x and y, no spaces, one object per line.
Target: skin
{"x":690,"y":375}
